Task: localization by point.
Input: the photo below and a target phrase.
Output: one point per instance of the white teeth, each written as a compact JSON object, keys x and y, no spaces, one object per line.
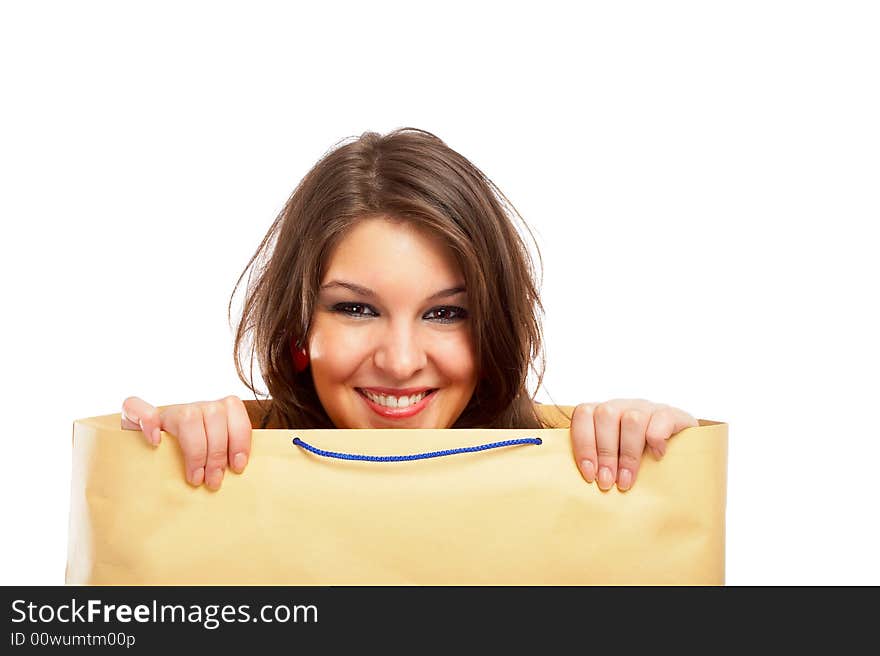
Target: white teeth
{"x":394,"y":401}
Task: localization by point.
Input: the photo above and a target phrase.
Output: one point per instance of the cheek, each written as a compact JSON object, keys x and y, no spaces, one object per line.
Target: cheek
{"x":456,"y":359}
{"x":336,"y":352}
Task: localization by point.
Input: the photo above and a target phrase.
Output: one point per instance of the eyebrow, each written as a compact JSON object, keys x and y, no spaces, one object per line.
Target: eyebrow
{"x":369,"y":293}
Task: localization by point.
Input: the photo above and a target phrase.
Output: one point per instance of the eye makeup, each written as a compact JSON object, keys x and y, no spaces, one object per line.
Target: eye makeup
{"x":364,"y":310}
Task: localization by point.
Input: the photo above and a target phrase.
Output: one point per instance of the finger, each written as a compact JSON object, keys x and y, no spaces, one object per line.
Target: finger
{"x":607,"y":422}
{"x":633,"y":424}
{"x":214,"y":415}
{"x":583,"y":440}
{"x":137,"y":414}
{"x":239,"y":430}
{"x":664,"y":424}
{"x":186,"y":424}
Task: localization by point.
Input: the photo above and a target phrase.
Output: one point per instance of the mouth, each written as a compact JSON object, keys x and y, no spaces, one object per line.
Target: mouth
{"x":394,"y":404}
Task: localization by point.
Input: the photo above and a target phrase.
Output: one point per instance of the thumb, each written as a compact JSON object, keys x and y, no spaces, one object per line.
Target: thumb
{"x":137,"y":414}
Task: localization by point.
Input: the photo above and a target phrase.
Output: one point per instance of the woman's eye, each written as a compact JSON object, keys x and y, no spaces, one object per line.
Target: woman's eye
{"x":447,"y":314}
{"x":355,"y":309}
{"x":444,"y":314}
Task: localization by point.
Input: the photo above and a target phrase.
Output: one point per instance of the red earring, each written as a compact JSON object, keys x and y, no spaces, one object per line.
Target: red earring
{"x":300,"y":356}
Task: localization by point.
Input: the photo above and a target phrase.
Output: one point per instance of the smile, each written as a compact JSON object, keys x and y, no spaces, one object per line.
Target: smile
{"x":396,"y":407}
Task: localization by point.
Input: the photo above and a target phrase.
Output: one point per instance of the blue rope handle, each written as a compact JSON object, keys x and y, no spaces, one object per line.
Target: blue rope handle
{"x":416,"y":456}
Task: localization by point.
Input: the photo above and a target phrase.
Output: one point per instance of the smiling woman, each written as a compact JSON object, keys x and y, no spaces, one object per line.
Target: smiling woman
{"x":405,"y":361}
{"x":394,"y":291}
{"x":394,"y":270}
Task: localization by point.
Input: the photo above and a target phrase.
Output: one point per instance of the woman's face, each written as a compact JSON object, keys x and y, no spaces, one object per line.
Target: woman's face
{"x":391,"y":325}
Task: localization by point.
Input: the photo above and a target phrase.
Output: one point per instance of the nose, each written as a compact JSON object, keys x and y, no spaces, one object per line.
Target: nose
{"x":400,"y":353}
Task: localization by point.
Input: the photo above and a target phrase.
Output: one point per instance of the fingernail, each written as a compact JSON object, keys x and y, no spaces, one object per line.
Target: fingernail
{"x":624,"y":479}
{"x":589,"y":470}
{"x":215,"y":478}
{"x":239,"y":461}
{"x":198,"y":476}
{"x":606,"y":480}
{"x":155,"y":437}
{"x":656,"y":453}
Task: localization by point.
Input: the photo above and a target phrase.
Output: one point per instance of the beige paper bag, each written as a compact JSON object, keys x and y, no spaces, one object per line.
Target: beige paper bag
{"x":515,"y":515}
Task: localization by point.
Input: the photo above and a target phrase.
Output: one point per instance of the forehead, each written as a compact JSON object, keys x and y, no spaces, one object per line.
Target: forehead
{"x":379,"y":249}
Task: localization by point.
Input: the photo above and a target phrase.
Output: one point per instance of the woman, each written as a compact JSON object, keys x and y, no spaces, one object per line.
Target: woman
{"x":393,"y":290}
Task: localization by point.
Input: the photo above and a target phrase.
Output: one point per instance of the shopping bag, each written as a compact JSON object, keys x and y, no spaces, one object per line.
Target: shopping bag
{"x":515,"y":514}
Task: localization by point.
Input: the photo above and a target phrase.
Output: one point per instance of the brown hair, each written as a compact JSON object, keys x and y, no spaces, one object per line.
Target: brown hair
{"x":408,"y":175}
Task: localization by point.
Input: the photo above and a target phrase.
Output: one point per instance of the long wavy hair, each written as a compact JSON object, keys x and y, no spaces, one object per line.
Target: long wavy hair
{"x":409,"y":175}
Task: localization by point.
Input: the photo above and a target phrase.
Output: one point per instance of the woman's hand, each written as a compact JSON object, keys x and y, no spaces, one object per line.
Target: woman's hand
{"x":609,"y":438}
{"x":211,"y":434}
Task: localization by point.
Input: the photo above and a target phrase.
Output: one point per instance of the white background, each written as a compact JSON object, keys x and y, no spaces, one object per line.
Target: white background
{"x":702,"y":179}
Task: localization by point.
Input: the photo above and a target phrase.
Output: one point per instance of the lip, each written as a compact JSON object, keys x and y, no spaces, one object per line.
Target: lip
{"x":397,"y":413}
{"x":402,"y":391}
